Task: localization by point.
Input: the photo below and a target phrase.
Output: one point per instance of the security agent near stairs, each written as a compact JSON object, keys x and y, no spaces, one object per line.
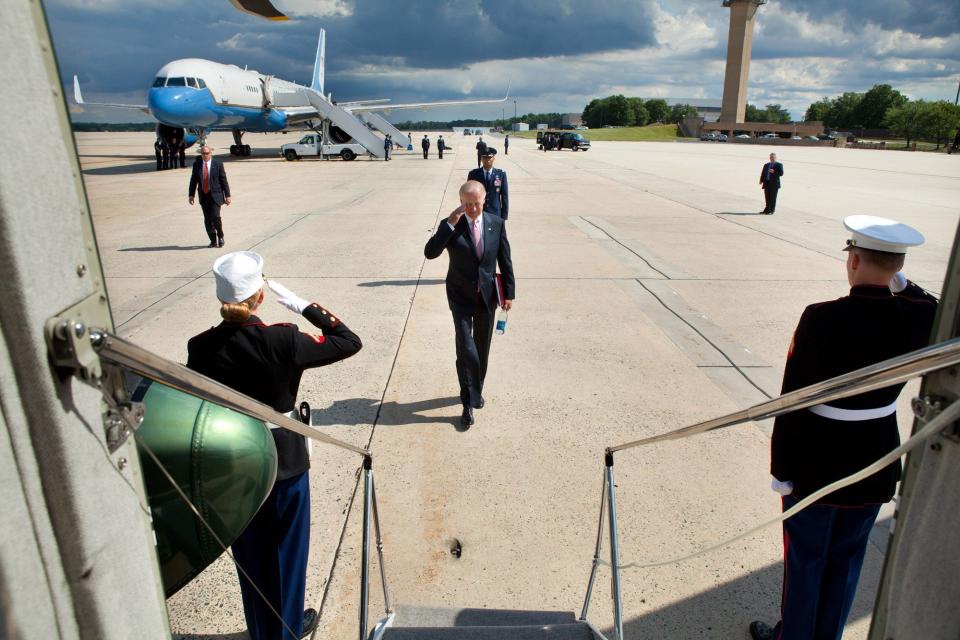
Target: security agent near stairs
{"x":884,"y":316}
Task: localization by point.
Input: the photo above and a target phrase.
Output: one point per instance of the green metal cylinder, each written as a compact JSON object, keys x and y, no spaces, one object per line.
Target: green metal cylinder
{"x":224,"y":461}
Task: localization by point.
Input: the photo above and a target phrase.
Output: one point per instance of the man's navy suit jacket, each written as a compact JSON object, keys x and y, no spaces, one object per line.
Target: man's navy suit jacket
{"x":498,"y":198}
{"x":465,"y":273}
{"x":777,"y":172}
{"x":219,"y":187}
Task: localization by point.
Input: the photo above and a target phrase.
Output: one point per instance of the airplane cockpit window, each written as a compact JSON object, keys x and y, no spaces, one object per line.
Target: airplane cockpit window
{"x":159,"y":82}
{"x":192,"y":82}
{"x":201,"y":84}
{"x":176,"y":82}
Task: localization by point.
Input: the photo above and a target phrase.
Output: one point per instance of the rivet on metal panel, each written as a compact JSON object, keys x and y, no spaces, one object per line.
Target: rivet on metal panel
{"x":122,"y":464}
{"x":81,"y":270}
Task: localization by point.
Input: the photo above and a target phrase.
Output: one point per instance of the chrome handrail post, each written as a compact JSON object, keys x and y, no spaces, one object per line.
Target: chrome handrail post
{"x":365,"y":549}
{"x":614,"y":552}
{"x":596,"y":551}
{"x":383,"y":569}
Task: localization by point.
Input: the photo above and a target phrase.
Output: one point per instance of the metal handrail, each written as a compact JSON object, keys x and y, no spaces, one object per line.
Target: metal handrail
{"x":137,"y":359}
{"x":870,"y":378}
{"x":876,"y":376}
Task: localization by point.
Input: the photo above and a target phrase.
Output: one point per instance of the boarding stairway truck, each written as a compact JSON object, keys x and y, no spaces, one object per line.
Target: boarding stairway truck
{"x":378,"y":122}
{"x":311,"y":145}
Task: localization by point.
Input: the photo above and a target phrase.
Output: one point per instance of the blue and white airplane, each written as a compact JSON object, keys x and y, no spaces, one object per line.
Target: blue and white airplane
{"x":202,"y":96}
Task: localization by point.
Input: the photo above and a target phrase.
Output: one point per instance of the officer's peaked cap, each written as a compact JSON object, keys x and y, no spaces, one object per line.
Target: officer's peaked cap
{"x":490,"y":151}
{"x":880,"y":234}
{"x":239,"y":275}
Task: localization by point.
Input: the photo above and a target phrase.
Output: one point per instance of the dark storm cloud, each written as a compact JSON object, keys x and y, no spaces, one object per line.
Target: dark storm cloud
{"x":923,"y":17}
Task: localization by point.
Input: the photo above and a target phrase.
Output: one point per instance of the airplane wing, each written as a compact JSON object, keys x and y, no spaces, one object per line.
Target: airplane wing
{"x":370,"y":106}
{"x":78,"y":98}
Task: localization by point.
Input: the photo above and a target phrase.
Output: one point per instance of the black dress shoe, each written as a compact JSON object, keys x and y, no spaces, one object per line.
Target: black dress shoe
{"x":761,"y":630}
{"x":310,"y":620}
{"x":220,"y":242}
{"x":479,"y":404}
{"x":466,"y":418}
{"x":212,"y":245}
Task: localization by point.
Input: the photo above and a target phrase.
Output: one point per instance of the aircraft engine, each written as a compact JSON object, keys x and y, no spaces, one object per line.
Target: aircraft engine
{"x":224,"y":461}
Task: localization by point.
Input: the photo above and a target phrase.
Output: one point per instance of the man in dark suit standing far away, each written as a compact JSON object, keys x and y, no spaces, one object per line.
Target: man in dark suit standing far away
{"x":494,"y":181}
{"x":476,"y":243}
{"x":770,"y":183}
{"x":208,"y":174}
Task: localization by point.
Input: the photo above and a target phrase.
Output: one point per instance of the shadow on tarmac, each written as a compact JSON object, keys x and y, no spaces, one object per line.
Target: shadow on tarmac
{"x":728,"y":608}
{"x":124,"y":169}
{"x":399,"y":283}
{"x":740,"y":213}
{"x":168,"y":247}
{"x":358,"y":411}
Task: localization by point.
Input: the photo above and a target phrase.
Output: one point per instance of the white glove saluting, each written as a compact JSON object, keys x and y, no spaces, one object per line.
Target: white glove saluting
{"x":288,"y":298}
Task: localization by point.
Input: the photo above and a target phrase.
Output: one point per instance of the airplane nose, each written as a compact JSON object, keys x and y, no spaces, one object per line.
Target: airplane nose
{"x":175,"y":106}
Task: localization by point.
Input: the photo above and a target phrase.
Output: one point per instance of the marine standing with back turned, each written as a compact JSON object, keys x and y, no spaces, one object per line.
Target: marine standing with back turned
{"x":884,"y":316}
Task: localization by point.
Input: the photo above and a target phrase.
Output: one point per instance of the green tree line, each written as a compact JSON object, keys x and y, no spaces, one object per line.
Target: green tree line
{"x":885,"y":107}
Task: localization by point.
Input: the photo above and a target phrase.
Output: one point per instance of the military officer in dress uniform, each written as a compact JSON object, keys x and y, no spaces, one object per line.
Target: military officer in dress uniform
{"x":425,"y":145}
{"x":495,"y":182}
{"x":266,"y":362}
{"x":884,"y":316}
{"x":441,"y":145}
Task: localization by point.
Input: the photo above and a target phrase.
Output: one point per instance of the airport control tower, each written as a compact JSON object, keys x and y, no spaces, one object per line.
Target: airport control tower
{"x":739,"y":43}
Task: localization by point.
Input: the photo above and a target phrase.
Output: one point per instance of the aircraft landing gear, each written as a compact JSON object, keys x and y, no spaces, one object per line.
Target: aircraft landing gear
{"x":238,"y":148}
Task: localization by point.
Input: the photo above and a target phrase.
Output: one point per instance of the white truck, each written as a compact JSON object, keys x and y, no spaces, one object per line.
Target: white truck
{"x":310,"y":145}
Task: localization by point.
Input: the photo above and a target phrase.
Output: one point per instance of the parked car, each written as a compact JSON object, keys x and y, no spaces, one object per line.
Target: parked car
{"x":310,"y":145}
{"x":812,"y":138}
{"x":467,"y":132}
{"x":743,"y":136}
{"x":573,"y":141}
{"x":714,"y":136}
{"x":796,"y":138}
{"x":769,"y":136}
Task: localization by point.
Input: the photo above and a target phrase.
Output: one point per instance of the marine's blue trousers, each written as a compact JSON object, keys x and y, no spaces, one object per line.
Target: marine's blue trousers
{"x":823,"y":549}
{"x":273,"y":552}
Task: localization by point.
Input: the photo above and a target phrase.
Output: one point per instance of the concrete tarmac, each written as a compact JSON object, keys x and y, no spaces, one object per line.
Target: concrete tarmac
{"x":650,"y":295}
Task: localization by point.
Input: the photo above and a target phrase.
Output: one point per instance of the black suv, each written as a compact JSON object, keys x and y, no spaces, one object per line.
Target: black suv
{"x":562,"y":140}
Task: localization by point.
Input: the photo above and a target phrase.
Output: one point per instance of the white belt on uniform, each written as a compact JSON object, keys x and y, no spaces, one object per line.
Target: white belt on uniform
{"x":295,"y":415}
{"x":852,"y":415}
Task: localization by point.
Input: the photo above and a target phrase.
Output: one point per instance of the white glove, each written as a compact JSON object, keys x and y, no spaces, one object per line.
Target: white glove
{"x":898,"y":282}
{"x":783,"y":487}
{"x":288,"y":298}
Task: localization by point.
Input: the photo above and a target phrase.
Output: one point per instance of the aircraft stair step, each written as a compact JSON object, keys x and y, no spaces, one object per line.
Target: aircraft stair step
{"x":439,"y":623}
{"x":573,"y":631}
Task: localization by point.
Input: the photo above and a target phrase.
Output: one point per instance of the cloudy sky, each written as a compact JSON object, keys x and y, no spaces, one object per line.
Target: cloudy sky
{"x":557,"y":54}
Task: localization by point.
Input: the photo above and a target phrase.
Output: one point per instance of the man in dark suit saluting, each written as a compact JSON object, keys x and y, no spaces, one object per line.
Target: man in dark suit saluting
{"x":476,"y":243}
{"x":770,"y":183}
{"x":495,"y":182}
{"x":209,"y":175}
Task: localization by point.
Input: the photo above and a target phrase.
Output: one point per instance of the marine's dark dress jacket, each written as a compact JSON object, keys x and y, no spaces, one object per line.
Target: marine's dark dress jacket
{"x":265,"y":362}
{"x":867,"y":326}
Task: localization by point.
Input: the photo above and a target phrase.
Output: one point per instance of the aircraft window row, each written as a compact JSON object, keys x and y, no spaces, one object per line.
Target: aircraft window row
{"x":196,"y":83}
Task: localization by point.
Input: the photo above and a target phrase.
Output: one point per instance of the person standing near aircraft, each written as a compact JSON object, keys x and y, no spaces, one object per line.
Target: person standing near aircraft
{"x":884,"y":316}
{"x":506,"y":145}
{"x":157,"y":152}
{"x":182,"y":149}
{"x":441,"y":145}
{"x":481,"y":147}
{"x":209,"y":175}
{"x":476,"y":243}
{"x":497,"y":200}
{"x":425,"y":145}
{"x":387,"y":147}
{"x":266,"y":363}
{"x":770,"y":183}
{"x":165,"y":151}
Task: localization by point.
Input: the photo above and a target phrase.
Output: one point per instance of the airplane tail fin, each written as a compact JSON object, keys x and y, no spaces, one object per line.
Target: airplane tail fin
{"x":77,"y":96}
{"x":317,"y":83}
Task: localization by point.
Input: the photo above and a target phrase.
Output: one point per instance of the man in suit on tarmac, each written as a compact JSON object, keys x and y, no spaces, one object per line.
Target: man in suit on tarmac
{"x":481,"y":146}
{"x":425,"y":145}
{"x":209,"y":175}
{"x":495,"y":182}
{"x":476,"y":243}
{"x":770,"y":183}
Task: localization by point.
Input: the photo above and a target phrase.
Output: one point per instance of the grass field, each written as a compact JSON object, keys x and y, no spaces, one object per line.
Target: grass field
{"x":658,"y":132}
